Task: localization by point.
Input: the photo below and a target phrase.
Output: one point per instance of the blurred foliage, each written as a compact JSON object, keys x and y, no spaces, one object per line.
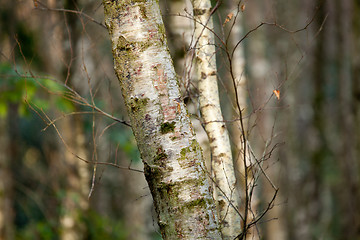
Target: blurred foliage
{"x":22,"y":88}
{"x":101,"y":227}
{"x":37,"y":230}
{"x":19,"y":89}
{"x":125,"y":140}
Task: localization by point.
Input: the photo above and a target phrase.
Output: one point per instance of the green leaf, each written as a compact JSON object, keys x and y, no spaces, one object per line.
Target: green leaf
{"x":3,"y":109}
{"x":41,"y":103}
{"x":52,"y":85}
{"x":23,"y":110}
{"x":64,"y":105}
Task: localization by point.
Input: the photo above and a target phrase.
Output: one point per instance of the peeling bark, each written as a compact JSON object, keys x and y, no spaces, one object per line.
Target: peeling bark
{"x":222,"y":162}
{"x":172,"y":158}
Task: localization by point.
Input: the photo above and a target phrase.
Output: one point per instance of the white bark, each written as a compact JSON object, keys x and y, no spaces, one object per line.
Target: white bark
{"x":174,"y":167}
{"x":222,"y":162}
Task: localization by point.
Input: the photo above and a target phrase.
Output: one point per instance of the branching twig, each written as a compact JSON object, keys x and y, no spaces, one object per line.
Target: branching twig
{"x":46,"y":119}
{"x":80,"y":13}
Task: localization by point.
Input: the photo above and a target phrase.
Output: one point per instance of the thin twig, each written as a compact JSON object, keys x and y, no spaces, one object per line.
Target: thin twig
{"x":80,"y":13}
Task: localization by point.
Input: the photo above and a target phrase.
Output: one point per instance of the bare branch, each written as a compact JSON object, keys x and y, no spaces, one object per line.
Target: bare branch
{"x":43,"y":7}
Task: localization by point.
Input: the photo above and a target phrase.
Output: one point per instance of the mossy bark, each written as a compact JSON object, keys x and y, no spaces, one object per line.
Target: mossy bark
{"x":176,"y":177}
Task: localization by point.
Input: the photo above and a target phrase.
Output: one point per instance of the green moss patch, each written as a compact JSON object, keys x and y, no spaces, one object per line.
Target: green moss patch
{"x":167,"y":127}
{"x":138,"y":104}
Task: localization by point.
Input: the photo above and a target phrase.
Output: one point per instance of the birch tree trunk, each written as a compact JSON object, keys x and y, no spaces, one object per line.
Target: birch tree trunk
{"x":173,"y":164}
{"x":222,"y":163}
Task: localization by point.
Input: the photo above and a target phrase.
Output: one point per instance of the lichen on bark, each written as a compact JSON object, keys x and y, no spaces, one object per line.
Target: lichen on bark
{"x":162,"y":128}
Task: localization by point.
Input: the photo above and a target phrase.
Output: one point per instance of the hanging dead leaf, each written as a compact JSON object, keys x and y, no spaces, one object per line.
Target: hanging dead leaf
{"x":242,"y":7}
{"x":277,"y":93}
{"x":228,"y":18}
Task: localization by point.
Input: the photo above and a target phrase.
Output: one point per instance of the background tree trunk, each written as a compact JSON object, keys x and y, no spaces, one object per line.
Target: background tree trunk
{"x":75,"y":202}
{"x":6,"y":184}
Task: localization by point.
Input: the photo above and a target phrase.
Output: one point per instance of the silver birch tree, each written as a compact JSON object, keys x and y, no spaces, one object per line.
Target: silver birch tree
{"x":173,"y":163}
{"x":225,"y":192}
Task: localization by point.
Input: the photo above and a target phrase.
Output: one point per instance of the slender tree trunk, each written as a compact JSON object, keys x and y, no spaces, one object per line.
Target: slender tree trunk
{"x":263,"y":135}
{"x":75,"y":202}
{"x":61,"y":61}
{"x":6,"y":209}
{"x":179,"y":34}
{"x":348,"y":159}
{"x":9,"y":135}
{"x":172,"y":158}
{"x":222,"y":163}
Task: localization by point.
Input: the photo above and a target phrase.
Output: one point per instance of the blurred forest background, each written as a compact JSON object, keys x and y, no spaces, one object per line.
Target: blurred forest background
{"x":56,"y":65}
